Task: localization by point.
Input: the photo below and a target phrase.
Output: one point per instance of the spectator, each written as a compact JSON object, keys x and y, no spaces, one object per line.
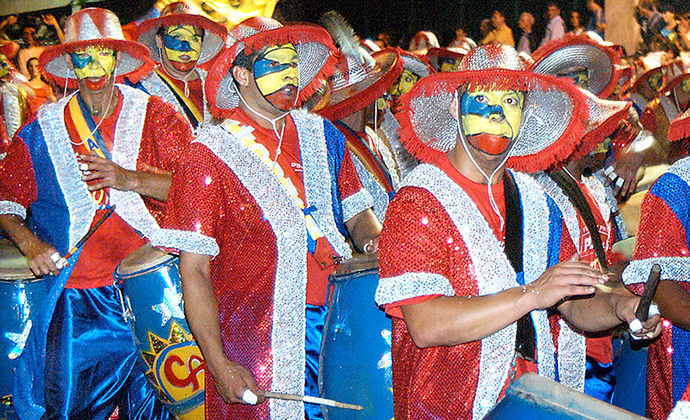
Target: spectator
{"x":528,"y":40}
{"x":501,"y":34}
{"x":684,"y":30}
{"x":39,"y":91}
{"x":462,"y":40}
{"x":384,"y":40}
{"x":576,"y":23}
{"x":555,"y":29}
{"x":597,"y":19}
{"x":669,"y":32}
{"x":651,"y":21}
{"x":422,"y":41}
{"x":485,"y":27}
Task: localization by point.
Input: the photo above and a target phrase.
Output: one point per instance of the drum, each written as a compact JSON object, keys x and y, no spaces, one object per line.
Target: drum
{"x":355,"y":365}
{"x":152,"y":299}
{"x":21,"y":294}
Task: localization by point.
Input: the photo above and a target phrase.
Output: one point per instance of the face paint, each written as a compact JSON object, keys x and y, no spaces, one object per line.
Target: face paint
{"x":578,"y":75}
{"x":182,"y":46}
{"x":449,"y":65}
{"x":94,"y":65}
{"x":276,"y":75}
{"x":5,"y":66}
{"x":490,"y":119}
{"x":685,"y":85}
{"x":656,"y":80}
{"x":404,"y":84}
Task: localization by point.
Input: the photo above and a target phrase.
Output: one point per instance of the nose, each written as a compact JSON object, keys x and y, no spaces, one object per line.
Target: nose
{"x":497,"y":118}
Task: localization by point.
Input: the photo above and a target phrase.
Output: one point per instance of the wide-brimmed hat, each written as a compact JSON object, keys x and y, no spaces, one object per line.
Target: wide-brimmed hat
{"x":418,"y":65}
{"x":641,"y":84}
{"x":554,"y":115}
{"x":604,"y":118}
{"x":355,"y":85}
{"x":180,"y":13}
{"x":673,"y":87}
{"x":315,"y":48}
{"x":95,"y":26}
{"x":680,"y":127}
{"x":437,"y":55}
{"x":599,"y":60}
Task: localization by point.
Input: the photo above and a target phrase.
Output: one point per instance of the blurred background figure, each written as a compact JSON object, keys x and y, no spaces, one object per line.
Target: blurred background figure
{"x":37,"y":89}
{"x":501,"y":34}
{"x":528,"y":40}
{"x":462,"y":40}
{"x":422,"y":41}
{"x":576,"y":23}
{"x":597,"y":19}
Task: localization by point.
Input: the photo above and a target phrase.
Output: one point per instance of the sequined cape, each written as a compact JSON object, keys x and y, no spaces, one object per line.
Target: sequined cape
{"x":663,"y":237}
{"x":149,"y":134}
{"x":153,"y":85}
{"x":437,"y":242}
{"x":682,"y":409}
{"x":225,"y":202}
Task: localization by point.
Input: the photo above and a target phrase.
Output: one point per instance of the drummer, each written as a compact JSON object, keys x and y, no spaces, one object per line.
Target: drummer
{"x":255,"y":211}
{"x":105,"y":145}
{"x":468,"y":250}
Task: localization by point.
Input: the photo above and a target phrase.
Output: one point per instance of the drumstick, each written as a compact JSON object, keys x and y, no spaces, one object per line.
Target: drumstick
{"x":90,"y":232}
{"x":642,"y":312}
{"x":312,"y":400}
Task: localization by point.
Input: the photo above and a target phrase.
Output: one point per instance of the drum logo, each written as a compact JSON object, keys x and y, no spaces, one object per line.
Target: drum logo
{"x":176,"y":366}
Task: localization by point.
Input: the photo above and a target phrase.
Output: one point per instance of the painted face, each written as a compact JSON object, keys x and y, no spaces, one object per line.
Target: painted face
{"x":276,"y":75}
{"x":685,"y":85}
{"x":182,"y":46}
{"x":94,"y":65}
{"x":404,"y":84}
{"x":656,"y":80}
{"x":449,"y":64}
{"x":5,"y":66}
{"x":579,"y":75}
{"x":490,"y":119}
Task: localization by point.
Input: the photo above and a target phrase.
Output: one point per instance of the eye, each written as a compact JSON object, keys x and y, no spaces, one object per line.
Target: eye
{"x":481,"y":99}
{"x":196,"y":38}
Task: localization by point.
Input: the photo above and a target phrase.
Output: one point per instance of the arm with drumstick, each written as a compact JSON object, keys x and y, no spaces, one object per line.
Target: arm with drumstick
{"x":38,"y":252}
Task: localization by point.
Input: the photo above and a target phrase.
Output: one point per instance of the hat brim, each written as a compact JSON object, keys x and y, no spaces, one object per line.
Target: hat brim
{"x":565,"y":53}
{"x":357,"y":96}
{"x":417,"y":64}
{"x":680,"y":127}
{"x":637,"y":84}
{"x":134,"y":60}
{"x":554,"y":116}
{"x":215,"y":34}
{"x":313,"y":44}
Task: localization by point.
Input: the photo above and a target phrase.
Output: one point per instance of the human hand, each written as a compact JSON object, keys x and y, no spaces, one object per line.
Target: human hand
{"x":623,"y":174}
{"x":232,"y":380}
{"x":568,"y":278}
{"x":43,"y":258}
{"x":49,"y":20}
{"x":106,"y":172}
{"x":11,"y":20}
{"x":639,"y":330}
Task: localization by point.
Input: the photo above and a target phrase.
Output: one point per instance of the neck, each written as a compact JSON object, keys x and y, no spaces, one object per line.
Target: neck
{"x":263,"y":118}
{"x":177,"y":74}
{"x":101,"y":103}
{"x":463,"y":163}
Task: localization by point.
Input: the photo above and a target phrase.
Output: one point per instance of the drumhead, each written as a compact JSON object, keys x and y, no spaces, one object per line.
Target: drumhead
{"x":142,"y":259}
{"x":13,"y":265}
{"x":625,"y":247}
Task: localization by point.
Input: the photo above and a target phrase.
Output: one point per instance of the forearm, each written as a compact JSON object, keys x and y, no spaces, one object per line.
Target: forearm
{"x":201,"y":309}
{"x":452,"y":320}
{"x":674,"y":303}
{"x":364,"y":228}
{"x":601,"y":312}
{"x":151,"y":184}
{"x":17,"y":231}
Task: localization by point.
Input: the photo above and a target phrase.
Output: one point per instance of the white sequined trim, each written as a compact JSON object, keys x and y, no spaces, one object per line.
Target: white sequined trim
{"x":412,"y":285}
{"x":12,"y":110}
{"x":681,"y":169}
{"x":155,"y":86}
{"x":567,"y":210}
{"x":379,"y":196}
{"x":10,"y":207}
{"x":681,"y":411}
{"x":187,"y":241}
{"x":356,"y":203}
{"x":612,"y":203}
{"x":673,"y":268}
{"x":289,"y":295}
{"x":494,"y":273}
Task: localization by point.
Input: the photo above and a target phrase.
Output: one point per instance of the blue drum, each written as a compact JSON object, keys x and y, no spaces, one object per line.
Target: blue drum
{"x":355,"y":365}
{"x":21,"y":294}
{"x":152,"y":298}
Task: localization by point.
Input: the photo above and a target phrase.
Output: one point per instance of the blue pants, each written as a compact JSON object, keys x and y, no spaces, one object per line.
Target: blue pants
{"x":315,"y":316}
{"x":92,"y":364}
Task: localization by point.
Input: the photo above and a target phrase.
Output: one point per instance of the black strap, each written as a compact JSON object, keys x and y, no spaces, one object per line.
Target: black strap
{"x":526,"y":337}
{"x":570,"y":188}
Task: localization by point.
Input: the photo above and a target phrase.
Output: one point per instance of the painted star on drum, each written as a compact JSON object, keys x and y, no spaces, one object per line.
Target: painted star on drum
{"x":171,"y":307}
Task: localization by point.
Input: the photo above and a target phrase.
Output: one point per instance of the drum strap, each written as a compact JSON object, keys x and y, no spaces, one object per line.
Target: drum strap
{"x":570,"y":188}
{"x":526,"y":337}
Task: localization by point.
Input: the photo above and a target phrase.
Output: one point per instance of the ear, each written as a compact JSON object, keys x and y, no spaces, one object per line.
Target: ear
{"x":159,"y":41}
{"x":453,"y":107}
{"x":241,"y":75}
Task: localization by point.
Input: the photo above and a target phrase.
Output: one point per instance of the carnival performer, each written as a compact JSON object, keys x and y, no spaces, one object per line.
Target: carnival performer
{"x":254,"y":209}
{"x":662,"y":239}
{"x":354,"y":106}
{"x":582,"y":198}
{"x":469,"y":254}
{"x":105,"y":145}
{"x":179,"y":41}
{"x":13,"y":103}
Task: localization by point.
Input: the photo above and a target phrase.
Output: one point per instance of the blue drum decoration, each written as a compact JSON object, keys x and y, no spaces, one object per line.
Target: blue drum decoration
{"x":150,"y":282}
{"x":355,"y":364}
{"x":21,"y":294}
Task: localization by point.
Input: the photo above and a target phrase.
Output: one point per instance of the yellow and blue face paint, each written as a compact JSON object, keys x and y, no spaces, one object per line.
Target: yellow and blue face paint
{"x":182,"y":45}
{"x":404,"y":84}
{"x":491,"y":118}
{"x":277,"y":76}
{"x":94,"y":65}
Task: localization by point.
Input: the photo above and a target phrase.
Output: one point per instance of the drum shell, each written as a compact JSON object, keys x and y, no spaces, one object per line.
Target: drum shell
{"x":175,"y":365}
{"x":21,"y":295}
{"x":355,"y":364}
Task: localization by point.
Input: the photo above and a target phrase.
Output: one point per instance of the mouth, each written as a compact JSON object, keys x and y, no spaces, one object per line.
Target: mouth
{"x":489,"y":143}
{"x":96,"y":83}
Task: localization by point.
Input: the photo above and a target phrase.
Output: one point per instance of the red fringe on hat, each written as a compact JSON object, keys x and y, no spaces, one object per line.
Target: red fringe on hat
{"x":134,"y":49}
{"x":500,"y":79}
{"x":591,"y":139}
{"x":179,"y":19}
{"x":680,"y":127}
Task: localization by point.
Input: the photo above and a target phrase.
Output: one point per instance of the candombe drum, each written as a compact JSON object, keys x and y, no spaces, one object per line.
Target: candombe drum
{"x":152,"y":301}
{"x":21,"y":294}
{"x":355,"y":365}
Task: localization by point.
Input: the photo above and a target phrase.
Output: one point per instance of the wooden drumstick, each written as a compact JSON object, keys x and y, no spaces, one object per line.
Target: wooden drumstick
{"x":312,"y":400}
{"x":63,"y":260}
